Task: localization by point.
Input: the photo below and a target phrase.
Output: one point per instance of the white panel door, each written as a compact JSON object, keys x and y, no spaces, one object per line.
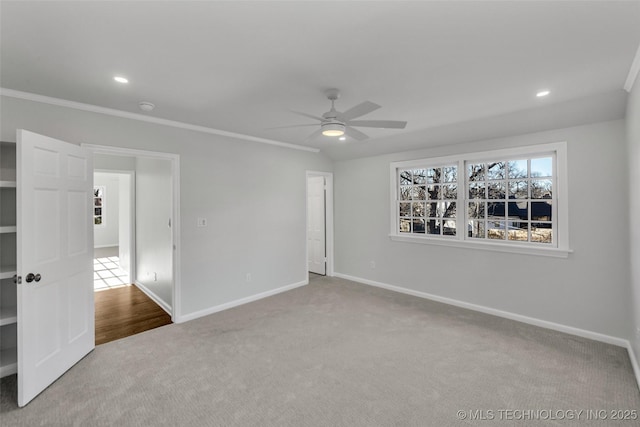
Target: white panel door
{"x":316,"y":241}
{"x":55,"y":252}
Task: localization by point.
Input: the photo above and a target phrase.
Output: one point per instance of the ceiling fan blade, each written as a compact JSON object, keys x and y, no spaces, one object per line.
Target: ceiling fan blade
{"x":291,"y":126}
{"x":314,"y":135}
{"x":356,"y":134}
{"x":311,"y":116}
{"x":359,"y":110}
{"x":384,"y":124}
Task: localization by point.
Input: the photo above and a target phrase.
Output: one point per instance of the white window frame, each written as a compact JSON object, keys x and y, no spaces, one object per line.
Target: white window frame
{"x":559,"y":247}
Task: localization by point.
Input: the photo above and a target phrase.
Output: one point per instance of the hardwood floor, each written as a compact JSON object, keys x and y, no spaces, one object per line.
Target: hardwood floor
{"x":125,"y":311}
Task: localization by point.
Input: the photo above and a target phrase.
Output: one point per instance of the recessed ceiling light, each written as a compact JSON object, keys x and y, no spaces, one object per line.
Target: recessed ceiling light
{"x":542,"y":93}
{"x":121,"y":79}
{"x":146,"y":106}
{"x":343,"y":138}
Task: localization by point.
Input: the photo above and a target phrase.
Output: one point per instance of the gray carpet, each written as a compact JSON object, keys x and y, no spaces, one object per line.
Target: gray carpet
{"x":338,"y":353}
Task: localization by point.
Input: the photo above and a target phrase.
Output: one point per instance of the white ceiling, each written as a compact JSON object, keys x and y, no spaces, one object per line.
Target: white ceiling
{"x":456,"y":71}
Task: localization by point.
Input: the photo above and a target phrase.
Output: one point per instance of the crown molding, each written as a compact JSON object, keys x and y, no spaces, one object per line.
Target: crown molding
{"x":143,"y":118}
{"x":633,"y":72}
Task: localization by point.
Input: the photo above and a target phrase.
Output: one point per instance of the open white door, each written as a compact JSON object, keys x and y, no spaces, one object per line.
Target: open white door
{"x":316,"y":236}
{"x":55,"y":247}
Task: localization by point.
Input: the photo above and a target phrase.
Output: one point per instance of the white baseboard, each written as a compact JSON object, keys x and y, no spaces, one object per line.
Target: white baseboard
{"x":621,"y":342}
{"x":241,"y":301}
{"x":114,"y":245}
{"x":163,"y":305}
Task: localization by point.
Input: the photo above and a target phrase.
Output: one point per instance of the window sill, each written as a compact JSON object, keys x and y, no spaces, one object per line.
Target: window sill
{"x":488,"y":246}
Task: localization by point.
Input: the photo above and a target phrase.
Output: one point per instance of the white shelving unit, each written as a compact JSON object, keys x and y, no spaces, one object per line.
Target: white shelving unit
{"x":8,"y":298}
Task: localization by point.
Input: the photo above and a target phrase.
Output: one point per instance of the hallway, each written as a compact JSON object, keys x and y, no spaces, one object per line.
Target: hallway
{"x":121,"y":309}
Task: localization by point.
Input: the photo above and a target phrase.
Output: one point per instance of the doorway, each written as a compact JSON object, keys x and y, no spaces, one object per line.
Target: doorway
{"x":113,"y":227}
{"x":148,"y":228}
{"x":319,"y":191}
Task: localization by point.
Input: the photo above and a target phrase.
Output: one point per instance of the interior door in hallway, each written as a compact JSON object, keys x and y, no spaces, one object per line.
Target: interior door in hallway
{"x":55,"y":252}
{"x":316,"y":234}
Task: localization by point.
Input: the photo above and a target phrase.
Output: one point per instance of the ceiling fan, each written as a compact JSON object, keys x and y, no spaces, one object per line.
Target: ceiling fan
{"x":335,"y":123}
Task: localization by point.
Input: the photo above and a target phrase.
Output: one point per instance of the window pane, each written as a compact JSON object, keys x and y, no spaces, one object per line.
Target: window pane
{"x":541,"y":188}
{"x":476,"y":190}
{"x":434,"y":192}
{"x":520,"y":233}
{"x":541,"y":233}
{"x":418,"y":225}
{"x":450,"y":191}
{"x":517,"y":169}
{"x":518,"y":210}
{"x":518,"y":189}
{"x":496,"y":190}
{"x":476,"y":229}
{"x":432,"y":210}
{"x":475,"y":172}
{"x":496,"y":210}
{"x":476,"y":210}
{"x":418,"y":192}
{"x":449,"y":228}
{"x":448,"y":209}
{"x":433,"y":226}
{"x":405,"y":177}
{"x":496,"y":230}
{"x":450,"y":174}
{"x":542,"y":167}
{"x":418,"y":208}
{"x":405,"y":209}
{"x":419,"y":176}
{"x":541,"y":211}
{"x":434,"y":175}
{"x":405,"y":225}
{"x":496,"y":170}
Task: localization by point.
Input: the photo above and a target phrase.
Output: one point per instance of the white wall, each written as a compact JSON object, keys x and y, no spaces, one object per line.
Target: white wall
{"x":252,"y":194}
{"x":633,"y":139}
{"x":153,"y":234}
{"x":107,"y":234}
{"x":125,"y":240}
{"x":589,"y":290}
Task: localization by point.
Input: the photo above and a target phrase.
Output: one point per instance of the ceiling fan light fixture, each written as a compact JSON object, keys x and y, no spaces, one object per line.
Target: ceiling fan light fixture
{"x":333,"y":129}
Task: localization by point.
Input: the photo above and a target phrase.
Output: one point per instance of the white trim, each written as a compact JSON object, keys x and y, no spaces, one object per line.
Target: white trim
{"x":175,"y":225}
{"x":634,"y":362}
{"x":484,"y":245}
{"x":144,"y":118}
{"x":104,"y":246}
{"x":328,"y":220}
{"x":163,"y":305}
{"x":596,"y":336}
{"x":238,"y":302}
{"x":633,"y":72}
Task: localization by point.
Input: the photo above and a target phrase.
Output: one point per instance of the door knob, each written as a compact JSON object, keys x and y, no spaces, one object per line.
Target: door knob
{"x":31,"y":277}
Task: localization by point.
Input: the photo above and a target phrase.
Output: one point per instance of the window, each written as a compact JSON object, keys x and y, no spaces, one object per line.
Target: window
{"x":428,"y":200}
{"x":98,"y":205}
{"x":502,"y":200}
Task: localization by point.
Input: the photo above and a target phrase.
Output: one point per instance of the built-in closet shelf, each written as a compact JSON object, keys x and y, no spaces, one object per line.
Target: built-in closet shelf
{"x":8,"y":258}
{"x":8,"y":316}
{"x":7,"y":271}
{"x":8,"y":361}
